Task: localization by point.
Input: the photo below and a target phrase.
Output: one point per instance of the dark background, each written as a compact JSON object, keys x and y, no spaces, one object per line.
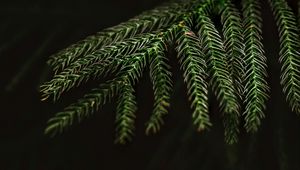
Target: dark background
{"x":30,"y":31}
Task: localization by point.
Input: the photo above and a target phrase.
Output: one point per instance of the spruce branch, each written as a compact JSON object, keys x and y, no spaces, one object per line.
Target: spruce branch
{"x":160,"y":76}
{"x":233,"y":42}
{"x":162,"y":92}
{"x":256,"y":86}
{"x":83,"y":107}
{"x":152,"y":20}
{"x":129,"y":72}
{"x":220,"y":79}
{"x":233,"y":65}
{"x":96,"y":98}
{"x":192,"y":61}
{"x":101,"y":62}
{"x":289,"y":52}
{"x":125,"y":114}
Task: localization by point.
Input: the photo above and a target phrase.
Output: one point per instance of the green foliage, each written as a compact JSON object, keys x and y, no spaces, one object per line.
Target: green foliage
{"x":162,"y":86}
{"x":220,"y":79}
{"x":228,"y":59}
{"x":148,"y":21}
{"x":100,"y":62}
{"x":256,"y":86}
{"x":289,"y":52}
{"x":83,"y":107}
{"x":192,"y":62}
{"x":125,"y":114}
{"x":233,"y":42}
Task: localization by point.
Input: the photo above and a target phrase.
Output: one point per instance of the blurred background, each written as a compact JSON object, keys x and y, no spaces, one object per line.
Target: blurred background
{"x":31,"y":30}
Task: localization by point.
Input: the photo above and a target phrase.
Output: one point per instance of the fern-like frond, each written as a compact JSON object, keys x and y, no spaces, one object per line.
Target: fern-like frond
{"x":100,"y":62}
{"x":233,"y":65}
{"x":130,"y":72}
{"x":220,"y":78}
{"x":256,"y":86}
{"x":161,"y":92}
{"x":289,"y":52}
{"x":160,"y":76}
{"x":83,"y":107}
{"x":125,"y":114}
{"x":233,"y":42}
{"x":192,"y":61}
{"x":148,"y":21}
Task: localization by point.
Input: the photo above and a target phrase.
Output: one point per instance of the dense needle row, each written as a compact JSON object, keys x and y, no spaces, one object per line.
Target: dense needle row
{"x":229,"y":59}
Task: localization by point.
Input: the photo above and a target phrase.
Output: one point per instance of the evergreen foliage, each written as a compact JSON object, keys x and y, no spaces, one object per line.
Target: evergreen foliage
{"x":220,"y":79}
{"x":289,"y":51}
{"x":227,"y":58}
{"x":193,"y":64}
{"x":256,"y":86}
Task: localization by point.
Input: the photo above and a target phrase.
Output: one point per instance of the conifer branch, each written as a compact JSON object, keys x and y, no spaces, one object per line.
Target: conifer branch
{"x":256,"y":86}
{"x":200,"y":116}
{"x":289,"y":52}
{"x":220,"y":79}
{"x":155,"y":19}
{"x":125,"y":114}
{"x":160,"y":76}
{"x":83,"y":107}
{"x":192,"y":61}
{"x":233,"y":42}
{"x":101,"y":62}
{"x":96,"y":98}
{"x":233,"y":65}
